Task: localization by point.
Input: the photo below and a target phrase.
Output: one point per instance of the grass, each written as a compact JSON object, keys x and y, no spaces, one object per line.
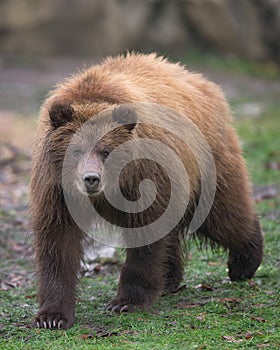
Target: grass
{"x":231,"y":63}
{"x":261,"y":144}
{"x":211,"y":313}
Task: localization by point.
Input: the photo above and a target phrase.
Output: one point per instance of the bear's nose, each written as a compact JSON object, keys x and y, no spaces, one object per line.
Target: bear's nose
{"x":91,"y":181}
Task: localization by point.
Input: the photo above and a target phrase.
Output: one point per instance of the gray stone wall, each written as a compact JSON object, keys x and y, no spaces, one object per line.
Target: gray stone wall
{"x":247,"y":28}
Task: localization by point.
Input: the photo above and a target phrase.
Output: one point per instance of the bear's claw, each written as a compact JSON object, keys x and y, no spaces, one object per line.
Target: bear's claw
{"x":124,"y":306}
{"x":51,"y":322}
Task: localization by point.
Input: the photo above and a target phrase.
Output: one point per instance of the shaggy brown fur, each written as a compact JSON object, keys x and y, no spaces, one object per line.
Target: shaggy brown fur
{"x":231,"y":223}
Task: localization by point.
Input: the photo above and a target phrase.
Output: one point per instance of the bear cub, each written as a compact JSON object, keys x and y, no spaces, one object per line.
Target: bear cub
{"x":105,"y":97}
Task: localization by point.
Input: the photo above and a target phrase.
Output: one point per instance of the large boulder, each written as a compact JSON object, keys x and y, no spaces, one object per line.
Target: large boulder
{"x":229,"y":26}
{"x":248,"y":28}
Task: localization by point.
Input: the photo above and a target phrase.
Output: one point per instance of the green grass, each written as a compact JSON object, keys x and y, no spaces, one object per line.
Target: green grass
{"x":218,"y":315}
{"x":261,"y":145}
{"x":192,"y":319}
{"x":231,"y":63}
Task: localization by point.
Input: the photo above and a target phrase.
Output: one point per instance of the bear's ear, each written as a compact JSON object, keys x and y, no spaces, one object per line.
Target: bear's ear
{"x":60,"y":114}
{"x":126,"y":116}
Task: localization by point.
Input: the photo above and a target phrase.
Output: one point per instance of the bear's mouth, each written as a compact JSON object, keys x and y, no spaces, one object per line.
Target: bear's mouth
{"x":87,"y":192}
{"x":92,"y":193}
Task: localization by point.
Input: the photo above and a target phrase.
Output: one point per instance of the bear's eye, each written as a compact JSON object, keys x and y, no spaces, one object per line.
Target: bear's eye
{"x":105,"y":153}
{"x":77,"y":152}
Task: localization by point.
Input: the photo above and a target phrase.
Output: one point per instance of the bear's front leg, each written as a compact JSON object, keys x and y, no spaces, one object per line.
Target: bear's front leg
{"x":141,"y":280}
{"x":58,"y":255}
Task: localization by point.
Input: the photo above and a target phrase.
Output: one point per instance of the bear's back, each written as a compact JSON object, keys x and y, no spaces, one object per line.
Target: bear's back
{"x":148,"y":78}
{"x":138,"y":78}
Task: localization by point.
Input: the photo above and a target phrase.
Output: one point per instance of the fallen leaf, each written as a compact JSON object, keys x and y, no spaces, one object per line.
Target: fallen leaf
{"x":231,"y":339}
{"x":269,"y":292}
{"x":87,"y":336}
{"x":130,"y":332}
{"x":253,"y":284}
{"x":214,"y":263}
{"x":184,"y":286}
{"x":7,"y":285}
{"x":188,"y":305}
{"x":105,"y":334}
{"x":31,"y":296}
{"x":206,"y":287}
{"x":230,"y":300}
{"x":249,"y":336}
{"x":259,"y":319}
{"x":99,"y":334}
{"x":201,"y":316}
{"x":259,"y":306}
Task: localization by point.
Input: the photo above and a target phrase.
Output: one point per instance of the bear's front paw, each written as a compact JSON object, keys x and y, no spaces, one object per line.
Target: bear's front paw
{"x":119,"y":305}
{"x":53,"y":320}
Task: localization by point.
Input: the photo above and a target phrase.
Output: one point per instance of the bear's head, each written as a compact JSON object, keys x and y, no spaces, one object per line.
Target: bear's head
{"x":83,"y":140}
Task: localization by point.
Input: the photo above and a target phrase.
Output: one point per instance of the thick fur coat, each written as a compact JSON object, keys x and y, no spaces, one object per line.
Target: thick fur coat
{"x":149,"y":270}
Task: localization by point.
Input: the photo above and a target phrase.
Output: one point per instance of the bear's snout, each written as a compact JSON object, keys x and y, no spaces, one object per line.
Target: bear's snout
{"x":91,"y":181}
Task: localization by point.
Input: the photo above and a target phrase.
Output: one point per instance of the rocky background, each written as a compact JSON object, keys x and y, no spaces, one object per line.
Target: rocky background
{"x":246,"y":28}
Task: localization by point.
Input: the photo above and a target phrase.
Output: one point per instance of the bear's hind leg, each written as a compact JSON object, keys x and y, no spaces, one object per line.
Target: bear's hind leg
{"x":233,"y":225}
{"x":232,"y":222}
{"x":242,"y":263}
{"x":173,"y":265}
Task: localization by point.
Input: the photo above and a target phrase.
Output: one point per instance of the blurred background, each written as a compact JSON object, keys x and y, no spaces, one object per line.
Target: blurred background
{"x":42,"y":41}
{"x":235,"y":43}
{"x":250,"y":29}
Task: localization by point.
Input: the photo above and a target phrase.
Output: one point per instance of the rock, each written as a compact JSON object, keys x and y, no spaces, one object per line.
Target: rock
{"x":249,"y":28}
{"x":227,"y":25}
{"x":166,"y":30}
{"x":269,"y":13}
{"x":70,"y":27}
{"x":94,"y":252}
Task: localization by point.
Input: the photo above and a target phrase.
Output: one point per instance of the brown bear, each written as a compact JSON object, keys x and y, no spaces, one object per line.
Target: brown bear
{"x":106,"y":98}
